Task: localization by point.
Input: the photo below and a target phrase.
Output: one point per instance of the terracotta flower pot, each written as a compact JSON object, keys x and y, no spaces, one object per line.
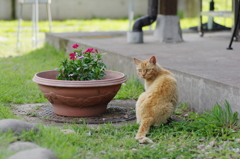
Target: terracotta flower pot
{"x":79,"y":98}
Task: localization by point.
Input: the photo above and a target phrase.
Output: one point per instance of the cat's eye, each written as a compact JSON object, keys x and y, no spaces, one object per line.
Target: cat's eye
{"x":147,"y":70}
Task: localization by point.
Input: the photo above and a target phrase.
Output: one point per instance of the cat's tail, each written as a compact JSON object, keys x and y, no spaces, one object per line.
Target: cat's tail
{"x":143,"y":130}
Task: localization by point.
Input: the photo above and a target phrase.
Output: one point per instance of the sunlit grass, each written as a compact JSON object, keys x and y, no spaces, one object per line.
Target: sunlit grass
{"x":16,"y":74}
{"x":8,"y":32}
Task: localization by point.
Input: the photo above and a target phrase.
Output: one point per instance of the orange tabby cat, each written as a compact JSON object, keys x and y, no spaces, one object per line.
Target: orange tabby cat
{"x":158,"y":102}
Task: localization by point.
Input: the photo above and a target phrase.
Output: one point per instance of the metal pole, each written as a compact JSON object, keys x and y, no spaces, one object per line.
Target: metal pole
{"x":130,"y":14}
{"x":235,"y":27}
{"x":49,"y":17}
{"x":200,"y":27}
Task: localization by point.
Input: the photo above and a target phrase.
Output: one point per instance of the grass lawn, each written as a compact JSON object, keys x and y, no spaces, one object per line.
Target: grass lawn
{"x":207,"y":135}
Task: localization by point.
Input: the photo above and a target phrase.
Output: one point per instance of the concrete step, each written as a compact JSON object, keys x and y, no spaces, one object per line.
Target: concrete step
{"x":206,"y":72}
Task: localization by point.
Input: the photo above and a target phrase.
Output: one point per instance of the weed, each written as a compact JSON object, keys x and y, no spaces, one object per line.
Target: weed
{"x":38,"y":107}
{"x":82,"y":121}
{"x":46,"y":117}
{"x":182,"y":108}
{"x":221,"y":117}
{"x":217,"y":122}
{"x":32,"y":114}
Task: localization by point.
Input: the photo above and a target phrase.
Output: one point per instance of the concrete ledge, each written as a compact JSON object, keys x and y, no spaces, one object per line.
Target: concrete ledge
{"x":202,"y":94}
{"x":201,"y":65}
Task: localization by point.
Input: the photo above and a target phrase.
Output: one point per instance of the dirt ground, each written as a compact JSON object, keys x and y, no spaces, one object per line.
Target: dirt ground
{"x":117,"y":111}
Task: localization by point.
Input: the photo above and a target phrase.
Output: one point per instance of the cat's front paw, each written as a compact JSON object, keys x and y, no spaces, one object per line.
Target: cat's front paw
{"x":144,"y":140}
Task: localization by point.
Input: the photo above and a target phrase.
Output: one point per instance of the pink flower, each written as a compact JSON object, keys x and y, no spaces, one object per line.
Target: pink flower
{"x":80,"y":57}
{"x":72,"y":56}
{"x":88,"y":50}
{"x":75,"y":46}
{"x":96,"y":50}
{"x":91,"y":50}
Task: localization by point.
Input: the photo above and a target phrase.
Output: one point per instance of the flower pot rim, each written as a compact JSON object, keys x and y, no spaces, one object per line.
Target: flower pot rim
{"x":114,"y":79}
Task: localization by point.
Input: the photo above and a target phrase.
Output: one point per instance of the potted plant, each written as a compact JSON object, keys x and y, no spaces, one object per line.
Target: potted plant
{"x":81,"y":86}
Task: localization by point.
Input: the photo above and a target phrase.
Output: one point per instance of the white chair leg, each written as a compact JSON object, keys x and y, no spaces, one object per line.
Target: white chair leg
{"x":35,"y":19}
{"x":49,"y":17}
{"x":36,"y":22}
{"x":33,"y":25}
{"x":19,"y":26}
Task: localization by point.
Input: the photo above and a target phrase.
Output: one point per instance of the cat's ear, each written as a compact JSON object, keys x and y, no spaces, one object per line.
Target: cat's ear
{"x":136,"y":61}
{"x":153,"y":60}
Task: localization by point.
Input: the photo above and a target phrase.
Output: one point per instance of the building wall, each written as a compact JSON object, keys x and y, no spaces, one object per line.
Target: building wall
{"x":5,"y":9}
{"x":85,"y":9}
